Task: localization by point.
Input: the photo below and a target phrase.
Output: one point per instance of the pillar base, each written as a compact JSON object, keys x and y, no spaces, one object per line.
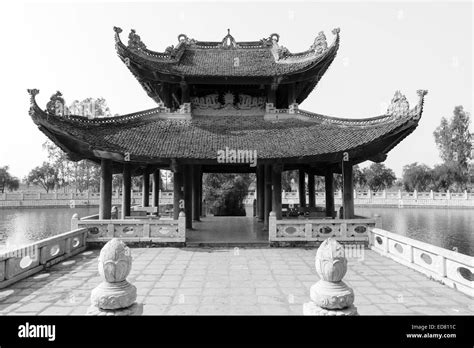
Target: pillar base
{"x":134,"y":309}
{"x":310,"y":308}
{"x":332,"y":295}
{"x":114,"y":296}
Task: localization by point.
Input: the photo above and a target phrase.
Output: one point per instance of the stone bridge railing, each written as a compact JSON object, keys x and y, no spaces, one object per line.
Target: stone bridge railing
{"x":449,"y":267}
{"x":135,"y":229}
{"x":317,"y":230}
{"x":22,"y":262}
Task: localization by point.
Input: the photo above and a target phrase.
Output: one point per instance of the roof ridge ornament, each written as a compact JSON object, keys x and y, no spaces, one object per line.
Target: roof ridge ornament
{"x":399,"y":105}
{"x":135,"y":42}
{"x":228,"y":41}
{"x":320,"y":44}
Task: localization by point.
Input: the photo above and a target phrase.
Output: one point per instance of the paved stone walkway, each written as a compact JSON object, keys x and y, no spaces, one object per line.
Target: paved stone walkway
{"x":233,"y":281}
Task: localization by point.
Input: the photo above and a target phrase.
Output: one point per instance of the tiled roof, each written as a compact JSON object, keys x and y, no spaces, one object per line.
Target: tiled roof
{"x":246,"y":59}
{"x":308,"y":135}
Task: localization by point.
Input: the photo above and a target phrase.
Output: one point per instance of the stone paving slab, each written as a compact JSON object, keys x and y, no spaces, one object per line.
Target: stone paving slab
{"x":253,"y":281}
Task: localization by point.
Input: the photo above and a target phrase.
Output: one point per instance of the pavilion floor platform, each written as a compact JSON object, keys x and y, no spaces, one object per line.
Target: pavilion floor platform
{"x":253,"y":281}
{"x":222,"y":230}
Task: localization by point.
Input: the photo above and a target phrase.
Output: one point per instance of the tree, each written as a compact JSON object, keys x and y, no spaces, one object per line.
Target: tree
{"x":446,"y":176}
{"x":417,"y":177}
{"x":225,"y":193}
{"x":453,"y":140}
{"x":379,"y":177}
{"x":7,"y":180}
{"x":45,"y":176}
{"x":287,"y":178}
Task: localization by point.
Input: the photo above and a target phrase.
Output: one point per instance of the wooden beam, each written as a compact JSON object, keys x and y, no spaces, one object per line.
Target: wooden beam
{"x":126,"y":190}
{"x":105,"y":205}
{"x":348,"y":190}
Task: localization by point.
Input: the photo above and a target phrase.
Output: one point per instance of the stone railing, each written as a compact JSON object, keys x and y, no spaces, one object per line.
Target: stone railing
{"x":317,"y":230}
{"x":449,"y":267}
{"x":135,"y":229}
{"x":22,"y":262}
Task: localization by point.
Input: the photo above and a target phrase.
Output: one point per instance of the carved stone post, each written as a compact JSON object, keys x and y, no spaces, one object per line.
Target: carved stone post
{"x":330,"y":295}
{"x":114,"y":296}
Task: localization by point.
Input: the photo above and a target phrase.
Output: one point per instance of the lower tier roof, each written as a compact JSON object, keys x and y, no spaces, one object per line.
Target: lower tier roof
{"x":301,"y":137}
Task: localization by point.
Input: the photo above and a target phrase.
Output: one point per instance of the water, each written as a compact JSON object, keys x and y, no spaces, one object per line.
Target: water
{"x":447,"y":228}
{"x":23,"y":226}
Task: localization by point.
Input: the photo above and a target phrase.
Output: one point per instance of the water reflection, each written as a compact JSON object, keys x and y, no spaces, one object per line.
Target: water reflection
{"x":23,"y":226}
{"x":448,"y":228}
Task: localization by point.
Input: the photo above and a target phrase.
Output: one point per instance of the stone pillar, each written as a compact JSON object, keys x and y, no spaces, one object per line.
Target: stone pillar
{"x":126,"y":190}
{"x":271,"y":97}
{"x":156,"y":190}
{"x":114,"y":296}
{"x":184,"y":92}
{"x":302,"y":188}
{"x":311,"y":191}
{"x":105,"y":205}
{"x":267,"y":195}
{"x":260,"y":192}
{"x":291,"y":94}
{"x":201,"y":195}
{"x":276,"y":192}
{"x":146,"y":188}
{"x":348,"y":190}
{"x":330,"y":295}
{"x":178,"y":196}
{"x":196,"y":189}
{"x":188,"y":195}
{"x":329,"y":191}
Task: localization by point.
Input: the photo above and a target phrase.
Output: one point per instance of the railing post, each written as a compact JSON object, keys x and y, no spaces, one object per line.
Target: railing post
{"x":465,"y":194}
{"x":415,"y":194}
{"x":182,"y":225}
{"x":399,"y":194}
{"x":272,"y":226}
{"x":448,"y":195}
{"x":384,"y":194}
{"x":75,"y":222}
{"x":431,"y":194}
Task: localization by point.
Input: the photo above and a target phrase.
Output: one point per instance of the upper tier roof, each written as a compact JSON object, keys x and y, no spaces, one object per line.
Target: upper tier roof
{"x":229,"y":58}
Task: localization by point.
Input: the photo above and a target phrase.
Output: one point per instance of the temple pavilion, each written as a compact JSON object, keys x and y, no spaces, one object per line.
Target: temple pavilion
{"x":233,"y":97}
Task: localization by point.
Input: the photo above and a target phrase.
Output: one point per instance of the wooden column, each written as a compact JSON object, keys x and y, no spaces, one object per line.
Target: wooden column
{"x":348,"y":190}
{"x":267,"y":195}
{"x":184,"y":92}
{"x":291,"y":94}
{"x":156,"y":189}
{"x":178,"y":196}
{"x":329,"y":188}
{"x":105,"y":206}
{"x":146,"y":188}
{"x":311,"y":192}
{"x":302,"y":188}
{"x":260,"y":192}
{"x":201,"y":196}
{"x":271,"y":97}
{"x":126,"y":190}
{"x":196,"y":192}
{"x":188,"y":195}
{"x":276,"y":192}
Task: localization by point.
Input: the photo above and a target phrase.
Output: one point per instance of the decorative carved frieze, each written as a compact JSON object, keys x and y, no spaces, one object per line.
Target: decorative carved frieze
{"x":230,"y":101}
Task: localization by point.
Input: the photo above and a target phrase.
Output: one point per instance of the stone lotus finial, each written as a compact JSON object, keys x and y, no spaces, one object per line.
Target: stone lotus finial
{"x":330,"y":295}
{"x":114,"y":295}
{"x":331,"y":263}
{"x":115,"y":261}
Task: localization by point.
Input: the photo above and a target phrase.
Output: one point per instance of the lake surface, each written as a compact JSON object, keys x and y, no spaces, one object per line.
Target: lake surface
{"x":447,"y":228}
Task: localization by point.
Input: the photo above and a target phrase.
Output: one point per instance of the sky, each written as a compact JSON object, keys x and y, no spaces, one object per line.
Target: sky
{"x":385,"y":46}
